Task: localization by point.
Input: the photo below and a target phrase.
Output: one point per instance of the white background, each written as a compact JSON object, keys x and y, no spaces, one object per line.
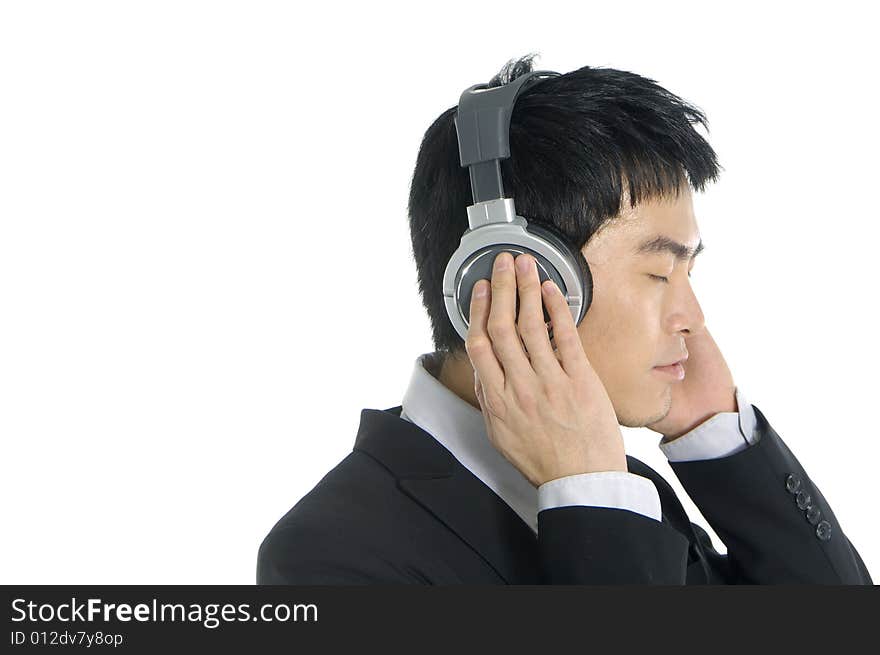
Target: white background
{"x":205,"y":265}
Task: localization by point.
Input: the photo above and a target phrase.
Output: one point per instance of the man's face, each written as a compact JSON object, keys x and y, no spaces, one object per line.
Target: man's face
{"x":635,"y":321}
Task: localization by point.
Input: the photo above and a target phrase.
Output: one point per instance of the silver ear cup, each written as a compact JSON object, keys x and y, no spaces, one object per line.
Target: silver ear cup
{"x":475,"y":257}
{"x":479,"y":267}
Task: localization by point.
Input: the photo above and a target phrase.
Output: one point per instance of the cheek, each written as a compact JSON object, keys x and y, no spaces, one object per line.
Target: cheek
{"x":620,"y":332}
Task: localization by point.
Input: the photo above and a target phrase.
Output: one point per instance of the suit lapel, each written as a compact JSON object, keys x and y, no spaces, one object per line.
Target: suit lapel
{"x":432,"y":477}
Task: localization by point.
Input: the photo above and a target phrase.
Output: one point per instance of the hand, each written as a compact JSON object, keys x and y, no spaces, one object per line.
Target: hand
{"x":706,"y":390}
{"x":549,"y":415}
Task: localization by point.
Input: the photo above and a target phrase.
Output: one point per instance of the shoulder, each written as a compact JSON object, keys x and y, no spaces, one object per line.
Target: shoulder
{"x":347,"y":493}
{"x":354,"y":526}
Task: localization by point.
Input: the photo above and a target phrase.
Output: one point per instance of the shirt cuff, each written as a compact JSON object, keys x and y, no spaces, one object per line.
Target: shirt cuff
{"x":614,"y":489}
{"x":722,"y":435}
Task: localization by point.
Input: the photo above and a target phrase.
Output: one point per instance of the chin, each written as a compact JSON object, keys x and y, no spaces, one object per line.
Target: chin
{"x":641,"y":409}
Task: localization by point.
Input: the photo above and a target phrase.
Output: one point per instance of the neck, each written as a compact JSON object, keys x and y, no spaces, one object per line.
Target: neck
{"x":457,"y":374}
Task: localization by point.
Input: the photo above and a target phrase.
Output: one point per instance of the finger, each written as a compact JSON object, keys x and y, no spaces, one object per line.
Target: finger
{"x":556,"y":352}
{"x":481,"y":399}
{"x":478,"y":344}
{"x":531,"y":324}
{"x":501,"y":324}
{"x":478,"y":388}
{"x":565,"y":334}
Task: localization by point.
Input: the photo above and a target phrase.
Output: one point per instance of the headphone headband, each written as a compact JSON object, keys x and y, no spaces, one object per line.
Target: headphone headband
{"x":482,"y":123}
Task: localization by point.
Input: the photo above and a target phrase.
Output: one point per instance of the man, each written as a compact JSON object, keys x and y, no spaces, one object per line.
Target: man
{"x":504,"y":463}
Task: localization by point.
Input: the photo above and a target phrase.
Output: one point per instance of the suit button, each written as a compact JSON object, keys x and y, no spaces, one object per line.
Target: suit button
{"x":803,"y":499}
{"x":792,"y":483}
{"x":813,"y":513}
{"x":823,"y":530}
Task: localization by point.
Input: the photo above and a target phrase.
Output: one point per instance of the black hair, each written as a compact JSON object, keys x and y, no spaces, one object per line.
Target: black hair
{"x":580,"y":144}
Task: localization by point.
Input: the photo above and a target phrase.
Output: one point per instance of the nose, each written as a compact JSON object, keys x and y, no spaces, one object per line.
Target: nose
{"x":686,"y":315}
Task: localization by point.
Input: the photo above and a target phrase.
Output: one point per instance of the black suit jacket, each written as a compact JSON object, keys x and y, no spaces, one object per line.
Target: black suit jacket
{"x":401,"y":509}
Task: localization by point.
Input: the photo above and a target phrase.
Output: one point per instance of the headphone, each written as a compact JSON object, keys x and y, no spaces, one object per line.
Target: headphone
{"x":482,"y":123}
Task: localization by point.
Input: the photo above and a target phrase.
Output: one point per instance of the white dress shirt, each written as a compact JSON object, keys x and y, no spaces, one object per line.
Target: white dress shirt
{"x":459,"y":427}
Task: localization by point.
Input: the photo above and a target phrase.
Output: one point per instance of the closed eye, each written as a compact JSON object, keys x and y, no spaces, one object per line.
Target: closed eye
{"x":663,"y":278}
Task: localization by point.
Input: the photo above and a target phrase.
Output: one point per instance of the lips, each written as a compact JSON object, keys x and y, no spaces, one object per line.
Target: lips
{"x":673,"y":371}
{"x":681,"y":360}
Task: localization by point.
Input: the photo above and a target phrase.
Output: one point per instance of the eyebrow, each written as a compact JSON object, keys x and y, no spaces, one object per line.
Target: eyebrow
{"x":663,"y":243}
